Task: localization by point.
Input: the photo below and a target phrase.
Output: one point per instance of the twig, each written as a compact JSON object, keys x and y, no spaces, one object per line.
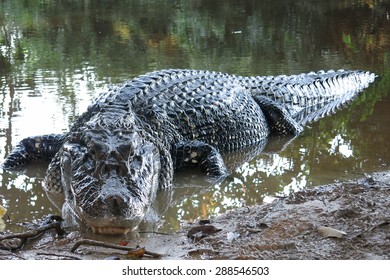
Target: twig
{"x":154,"y":232}
{"x":24,"y":236}
{"x":59,"y":256}
{"x":109,"y":245}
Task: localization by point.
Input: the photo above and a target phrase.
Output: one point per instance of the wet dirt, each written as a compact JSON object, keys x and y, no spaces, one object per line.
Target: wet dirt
{"x":349,"y":220}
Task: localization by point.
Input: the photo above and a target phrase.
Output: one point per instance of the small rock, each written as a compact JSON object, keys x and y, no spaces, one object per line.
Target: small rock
{"x":232,"y":236}
{"x":199,"y":232}
{"x":331,"y":232}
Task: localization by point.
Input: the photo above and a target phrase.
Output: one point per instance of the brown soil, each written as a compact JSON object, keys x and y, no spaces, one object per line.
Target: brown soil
{"x":339,"y":221}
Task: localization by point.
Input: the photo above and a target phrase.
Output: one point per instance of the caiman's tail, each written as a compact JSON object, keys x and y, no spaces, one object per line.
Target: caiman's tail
{"x":311,"y":96}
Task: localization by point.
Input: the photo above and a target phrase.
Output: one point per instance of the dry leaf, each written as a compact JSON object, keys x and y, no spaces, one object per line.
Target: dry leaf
{"x":2,"y":225}
{"x":137,"y":253}
{"x":2,"y":211}
{"x":331,"y":232}
{"x":123,"y":243}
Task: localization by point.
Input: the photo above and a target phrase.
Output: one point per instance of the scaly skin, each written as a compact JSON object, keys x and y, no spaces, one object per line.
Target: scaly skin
{"x":107,"y":169}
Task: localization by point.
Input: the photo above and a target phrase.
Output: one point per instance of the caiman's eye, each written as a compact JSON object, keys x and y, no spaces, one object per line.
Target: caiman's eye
{"x":97,"y":150}
{"x":125,"y":150}
{"x":94,"y":151}
{"x":135,"y":164}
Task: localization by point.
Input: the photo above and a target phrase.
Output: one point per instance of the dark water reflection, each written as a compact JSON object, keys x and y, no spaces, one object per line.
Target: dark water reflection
{"x":55,"y":56}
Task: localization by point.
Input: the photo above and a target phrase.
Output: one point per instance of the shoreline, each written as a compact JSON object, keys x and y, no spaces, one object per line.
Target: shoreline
{"x":348,"y":220}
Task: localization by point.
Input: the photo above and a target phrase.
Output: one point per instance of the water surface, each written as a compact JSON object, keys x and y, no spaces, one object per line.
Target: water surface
{"x":56,"y":55}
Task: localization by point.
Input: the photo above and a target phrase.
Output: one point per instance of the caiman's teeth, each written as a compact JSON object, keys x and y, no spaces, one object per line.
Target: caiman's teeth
{"x":110,"y":230}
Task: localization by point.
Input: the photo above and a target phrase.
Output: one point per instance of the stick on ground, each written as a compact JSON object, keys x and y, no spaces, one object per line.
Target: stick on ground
{"x":111,"y":246}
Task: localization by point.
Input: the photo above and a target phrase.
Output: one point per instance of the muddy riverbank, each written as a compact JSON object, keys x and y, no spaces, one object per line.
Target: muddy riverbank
{"x":349,"y":220}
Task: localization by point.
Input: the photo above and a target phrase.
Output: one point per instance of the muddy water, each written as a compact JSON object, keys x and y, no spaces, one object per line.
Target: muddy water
{"x":56,"y":55}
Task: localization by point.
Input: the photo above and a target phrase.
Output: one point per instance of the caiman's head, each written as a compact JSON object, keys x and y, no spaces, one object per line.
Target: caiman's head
{"x":110,"y":178}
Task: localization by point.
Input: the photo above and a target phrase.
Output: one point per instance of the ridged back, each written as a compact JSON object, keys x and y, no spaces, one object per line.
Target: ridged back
{"x":306,"y":96}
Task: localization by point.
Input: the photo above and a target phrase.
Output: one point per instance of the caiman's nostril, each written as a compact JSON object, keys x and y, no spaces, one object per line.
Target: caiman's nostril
{"x":116,"y":203}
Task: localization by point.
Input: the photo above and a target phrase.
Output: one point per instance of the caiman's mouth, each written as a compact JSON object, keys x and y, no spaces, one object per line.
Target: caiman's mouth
{"x":111,"y":230}
{"x":112,"y":226}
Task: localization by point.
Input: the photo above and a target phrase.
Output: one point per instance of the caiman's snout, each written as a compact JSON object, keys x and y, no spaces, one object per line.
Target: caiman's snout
{"x":113,"y":215}
{"x":116,"y":209}
{"x":114,"y":198}
{"x":115,"y":203}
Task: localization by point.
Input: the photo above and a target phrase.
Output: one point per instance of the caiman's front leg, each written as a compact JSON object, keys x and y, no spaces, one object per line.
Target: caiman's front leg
{"x":43,"y":147}
{"x":197,"y":153}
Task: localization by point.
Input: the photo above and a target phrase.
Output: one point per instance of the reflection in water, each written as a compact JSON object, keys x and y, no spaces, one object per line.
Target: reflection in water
{"x":55,"y":56}
{"x":338,"y":145}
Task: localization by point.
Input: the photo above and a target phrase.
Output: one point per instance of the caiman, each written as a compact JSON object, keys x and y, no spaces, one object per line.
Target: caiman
{"x":127,"y":145}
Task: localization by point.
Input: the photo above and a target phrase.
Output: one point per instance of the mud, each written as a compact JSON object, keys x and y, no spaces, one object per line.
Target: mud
{"x":349,"y":220}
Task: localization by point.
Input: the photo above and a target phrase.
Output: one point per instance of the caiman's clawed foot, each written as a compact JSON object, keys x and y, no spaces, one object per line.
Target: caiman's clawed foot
{"x":198,"y":153}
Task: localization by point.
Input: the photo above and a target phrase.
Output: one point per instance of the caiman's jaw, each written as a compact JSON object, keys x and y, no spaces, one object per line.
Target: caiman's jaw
{"x":110,"y":220}
{"x":113,"y":210}
{"x":107,"y":223}
{"x":111,"y":230}
{"x":111,"y":227}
